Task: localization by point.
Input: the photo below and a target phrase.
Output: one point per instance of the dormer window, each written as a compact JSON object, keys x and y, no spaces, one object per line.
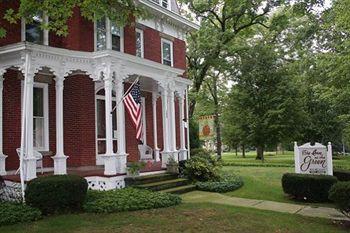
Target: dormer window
{"x":32,"y":31}
{"x":108,"y":36}
{"x":163,"y":3}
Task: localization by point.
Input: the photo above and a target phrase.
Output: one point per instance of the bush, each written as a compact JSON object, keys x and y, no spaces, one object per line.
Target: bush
{"x":13,"y":213}
{"x":53,"y":194}
{"x":199,"y":152}
{"x":312,"y":188}
{"x":128,"y":199}
{"x":202,"y":169}
{"x":227,"y":182}
{"x":342,"y":175}
{"x":340,"y":195}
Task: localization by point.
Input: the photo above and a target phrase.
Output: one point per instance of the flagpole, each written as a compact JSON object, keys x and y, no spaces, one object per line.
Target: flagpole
{"x":127,"y":92}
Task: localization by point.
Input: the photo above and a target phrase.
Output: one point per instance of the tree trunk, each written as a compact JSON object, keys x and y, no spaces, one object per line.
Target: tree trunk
{"x":260,"y":153}
{"x":243,"y":151}
{"x":236,"y":151}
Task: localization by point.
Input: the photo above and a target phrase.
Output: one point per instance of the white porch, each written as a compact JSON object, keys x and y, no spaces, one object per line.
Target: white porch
{"x":110,"y":69}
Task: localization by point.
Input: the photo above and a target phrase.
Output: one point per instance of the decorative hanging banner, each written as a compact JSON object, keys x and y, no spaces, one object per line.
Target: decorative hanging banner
{"x":313,"y":159}
{"x":206,"y":127}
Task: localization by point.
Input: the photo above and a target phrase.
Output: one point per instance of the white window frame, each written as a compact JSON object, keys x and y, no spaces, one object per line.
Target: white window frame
{"x":142,"y":42}
{"x":45,"y":31}
{"x":160,"y":2}
{"x":45,"y":87}
{"x":171,"y":50}
{"x":109,"y":36}
{"x":98,"y":87}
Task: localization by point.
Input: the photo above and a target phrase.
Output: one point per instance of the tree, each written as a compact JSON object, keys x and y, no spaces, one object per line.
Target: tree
{"x":221,"y":22}
{"x":265,"y":97}
{"x":58,"y":11}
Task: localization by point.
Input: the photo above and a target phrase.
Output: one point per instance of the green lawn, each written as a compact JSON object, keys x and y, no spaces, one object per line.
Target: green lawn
{"x":184,"y":218}
{"x":287,"y":159}
{"x":262,"y":183}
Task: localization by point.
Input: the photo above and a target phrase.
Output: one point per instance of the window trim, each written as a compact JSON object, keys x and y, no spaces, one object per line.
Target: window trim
{"x":171,"y":50}
{"x":142,"y":42}
{"x":45,"y":31}
{"x":45,"y":87}
{"x":109,"y":37}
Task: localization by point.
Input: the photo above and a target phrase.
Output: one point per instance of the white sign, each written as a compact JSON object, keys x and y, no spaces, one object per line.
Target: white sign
{"x":313,"y":159}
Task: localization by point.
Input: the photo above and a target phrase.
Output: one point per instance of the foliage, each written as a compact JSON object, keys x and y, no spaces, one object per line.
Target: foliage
{"x":135,"y":167}
{"x":201,"y":168}
{"x":172,"y":161}
{"x":312,"y":188}
{"x":200,"y":152}
{"x":226,"y":183}
{"x":342,"y":175}
{"x":14,"y":213}
{"x":128,"y":199}
{"x":59,"y":193}
{"x":194,"y":134}
{"x":340,"y":195}
{"x":119,"y":11}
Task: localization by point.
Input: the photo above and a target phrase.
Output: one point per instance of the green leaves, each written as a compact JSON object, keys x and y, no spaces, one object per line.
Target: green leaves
{"x":59,"y":12}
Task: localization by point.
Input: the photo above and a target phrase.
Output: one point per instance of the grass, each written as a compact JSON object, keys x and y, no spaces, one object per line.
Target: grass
{"x":271,"y":159}
{"x":184,"y":218}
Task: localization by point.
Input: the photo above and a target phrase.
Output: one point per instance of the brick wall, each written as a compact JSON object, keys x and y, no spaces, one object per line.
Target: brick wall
{"x":79,"y":120}
{"x":152,"y":45}
{"x":129,"y":40}
{"x":13,"y":31}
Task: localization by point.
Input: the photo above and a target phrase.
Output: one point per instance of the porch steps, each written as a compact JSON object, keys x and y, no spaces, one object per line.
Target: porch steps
{"x":168,"y":183}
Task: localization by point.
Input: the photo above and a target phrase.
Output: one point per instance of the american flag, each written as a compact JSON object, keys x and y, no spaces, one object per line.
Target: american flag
{"x":132,"y":101}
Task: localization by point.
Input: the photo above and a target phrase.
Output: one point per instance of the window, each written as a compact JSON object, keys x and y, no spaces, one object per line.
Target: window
{"x":163,"y":3}
{"x":101,"y":122}
{"x":32,"y":31}
{"x":167,"y":52}
{"x":139,"y":43}
{"x":108,"y":35}
{"x":40,"y":117}
{"x":101,"y":33}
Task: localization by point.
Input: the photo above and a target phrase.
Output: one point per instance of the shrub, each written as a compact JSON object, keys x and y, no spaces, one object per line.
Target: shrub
{"x":312,"y":188}
{"x":12,"y":213}
{"x":199,"y":152}
{"x":340,"y":195}
{"x":202,"y":169}
{"x":342,"y":175}
{"x":128,"y":199}
{"x":53,"y":194}
{"x":227,"y":182}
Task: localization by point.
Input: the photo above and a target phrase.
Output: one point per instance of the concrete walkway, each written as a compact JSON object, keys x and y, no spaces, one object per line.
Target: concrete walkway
{"x":305,"y":210}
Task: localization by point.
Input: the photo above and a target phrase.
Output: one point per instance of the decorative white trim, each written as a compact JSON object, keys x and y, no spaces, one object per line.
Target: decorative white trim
{"x":105,"y":183}
{"x":165,"y":41}
{"x":2,"y":156}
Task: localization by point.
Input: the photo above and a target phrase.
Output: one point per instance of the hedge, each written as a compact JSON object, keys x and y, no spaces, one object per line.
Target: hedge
{"x":342,"y":175}
{"x":227,"y":183}
{"x":13,"y":213}
{"x":201,"y":168}
{"x":61,"y":193}
{"x":313,"y":188}
{"x":340,"y":195}
{"x":256,"y":164}
{"x":127,"y":199}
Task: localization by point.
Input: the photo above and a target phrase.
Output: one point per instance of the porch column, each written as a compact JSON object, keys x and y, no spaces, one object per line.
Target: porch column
{"x":121,"y":154}
{"x":29,"y":158}
{"x":155,"y":132}
{"x":110,"y":159}
{"x":2,"y":156}
{"x":60,"y":160}
{"x":183,"y":150}
{"x":172,"y":124}
{"x":165,"y":117}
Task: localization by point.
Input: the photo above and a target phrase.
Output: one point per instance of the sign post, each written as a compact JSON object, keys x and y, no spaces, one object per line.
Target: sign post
{"x":313,"y":159}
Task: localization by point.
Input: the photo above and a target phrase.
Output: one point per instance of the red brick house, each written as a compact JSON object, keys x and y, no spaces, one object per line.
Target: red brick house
{"x":55,"y":93}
